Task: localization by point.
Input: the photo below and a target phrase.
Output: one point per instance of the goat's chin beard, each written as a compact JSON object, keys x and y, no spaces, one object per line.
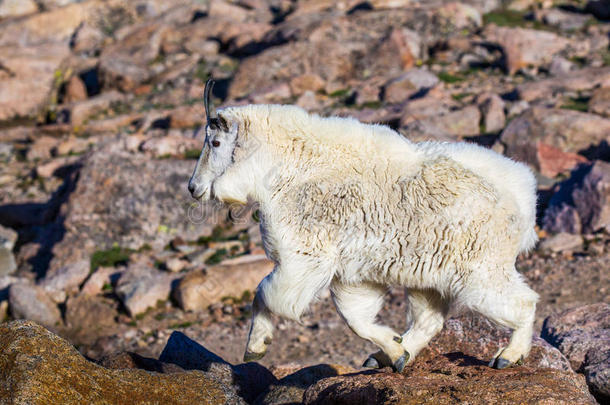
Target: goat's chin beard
{"x":230,"y":200}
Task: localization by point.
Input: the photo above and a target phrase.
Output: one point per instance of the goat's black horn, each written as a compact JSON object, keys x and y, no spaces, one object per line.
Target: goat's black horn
{"x":210,"y":111}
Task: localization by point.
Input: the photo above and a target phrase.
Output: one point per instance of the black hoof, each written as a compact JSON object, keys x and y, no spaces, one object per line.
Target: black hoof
{"x":500,"y":363}
{"x":251,"y":356}
{"x":400,"y":364}
{"x":371,"y":362}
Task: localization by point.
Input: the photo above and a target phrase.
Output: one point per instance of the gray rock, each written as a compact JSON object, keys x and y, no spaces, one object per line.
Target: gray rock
{"x":562,"y":242}
{"x":14,"y":8}
{"x":30,"y":83}
{"x":492,"y":107}
{"x":7,"y":262}
{"x":582,"y":203}
{"x":87,"y":316}
{"x":575,"y":81}
{"x":583,"y":335}
{"x":198,"y":290}
{"x":576,"y":331}
{"x":126,"y":64}
{"x":524,"y":47}
{"x":408,"y":84}
{"x":5,"y":284}
{"x":597,"y":372}
{"x":565,"y":20}
{"x":141,"y":287}
{"x":539,"y":132}
{"x":446,"y":127}
{"x":600,"y":102}
{"x":560,"y":66}
{"x":28,"y":301}
{"x":65,"y":280}
{"x":8,"y":237}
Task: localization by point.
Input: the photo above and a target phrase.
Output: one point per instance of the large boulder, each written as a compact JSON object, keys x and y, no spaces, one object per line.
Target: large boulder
{"x":53,"y":26}
{"x":524,"y":47}
{"x":28,"y":77}
{"x":583,"y":335}
{"x":88,"y":317}
{"x":14,"y":8}
{"x":582,"y":203}
{"x":549,"y":139}
{"x":65,"y":280}
{"x":577,"y":81}
{"x":140,"y":287}
{"x":198,"y":290}
{"x":130,"y":200}
{"x":126,"y":63}
{"x":29,"y":301}
{"x":38,"y":367}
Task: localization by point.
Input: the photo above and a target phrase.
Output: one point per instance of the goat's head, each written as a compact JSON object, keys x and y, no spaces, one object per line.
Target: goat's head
{"x":224,"y":168}
{"x":217,"y":153}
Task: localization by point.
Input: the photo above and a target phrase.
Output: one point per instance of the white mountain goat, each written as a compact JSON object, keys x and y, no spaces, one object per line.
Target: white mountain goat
{"x":358,"y":208}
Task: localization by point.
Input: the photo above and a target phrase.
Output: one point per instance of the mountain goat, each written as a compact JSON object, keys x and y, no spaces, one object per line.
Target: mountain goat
{"x":358,"y":208}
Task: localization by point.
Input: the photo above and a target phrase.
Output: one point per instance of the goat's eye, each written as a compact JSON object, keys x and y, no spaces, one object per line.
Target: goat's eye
{"x":215,"y":143}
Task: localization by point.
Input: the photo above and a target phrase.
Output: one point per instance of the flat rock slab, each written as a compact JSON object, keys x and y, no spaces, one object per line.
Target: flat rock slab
{"x":449,"y":380}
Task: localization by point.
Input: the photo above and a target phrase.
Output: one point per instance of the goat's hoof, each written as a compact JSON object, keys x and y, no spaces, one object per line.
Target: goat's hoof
{"x":402,"y":361}
{"x":371,"y":362}
{"x":378,"y":360}
{"x":500,"y":363}
{"x":251,"y":356}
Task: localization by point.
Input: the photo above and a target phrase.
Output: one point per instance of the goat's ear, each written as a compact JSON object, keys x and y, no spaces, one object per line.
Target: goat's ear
{"x":222,"y":123}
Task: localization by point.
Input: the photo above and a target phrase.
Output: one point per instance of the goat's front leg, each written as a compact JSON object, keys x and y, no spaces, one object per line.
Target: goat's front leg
{"x":261,"y":330}
{"x":286,"y":292}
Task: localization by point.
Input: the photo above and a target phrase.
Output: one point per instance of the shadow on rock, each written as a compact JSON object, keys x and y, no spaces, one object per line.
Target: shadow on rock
{"x":251,"y":379}
{"x":41,"y":223}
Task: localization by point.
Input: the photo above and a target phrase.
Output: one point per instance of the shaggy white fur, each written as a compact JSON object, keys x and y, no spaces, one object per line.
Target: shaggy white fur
{"x":357,"y":208}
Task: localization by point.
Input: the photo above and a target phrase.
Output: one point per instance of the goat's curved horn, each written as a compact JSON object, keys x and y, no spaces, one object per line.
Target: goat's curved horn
{"x":210,"y":111}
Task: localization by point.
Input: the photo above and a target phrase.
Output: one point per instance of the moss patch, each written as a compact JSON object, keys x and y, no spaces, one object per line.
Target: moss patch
{"x":512,"y":18}
{"x":110,"y":258}
{"x":577,"y":104}
{"x":192,"y":154}
{"x":217,"y":257}
{"x":450,"y":78}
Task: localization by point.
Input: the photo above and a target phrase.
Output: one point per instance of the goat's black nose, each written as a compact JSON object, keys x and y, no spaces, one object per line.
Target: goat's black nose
{"x":191,"y":188}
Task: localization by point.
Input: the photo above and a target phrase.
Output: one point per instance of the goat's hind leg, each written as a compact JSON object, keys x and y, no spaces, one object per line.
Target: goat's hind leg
{"x":359,"y":305}
{"x":511,"y":304}
{"x":426,"y":315}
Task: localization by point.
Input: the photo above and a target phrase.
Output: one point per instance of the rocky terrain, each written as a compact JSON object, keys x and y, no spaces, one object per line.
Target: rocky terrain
{"x":143,"y":293}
